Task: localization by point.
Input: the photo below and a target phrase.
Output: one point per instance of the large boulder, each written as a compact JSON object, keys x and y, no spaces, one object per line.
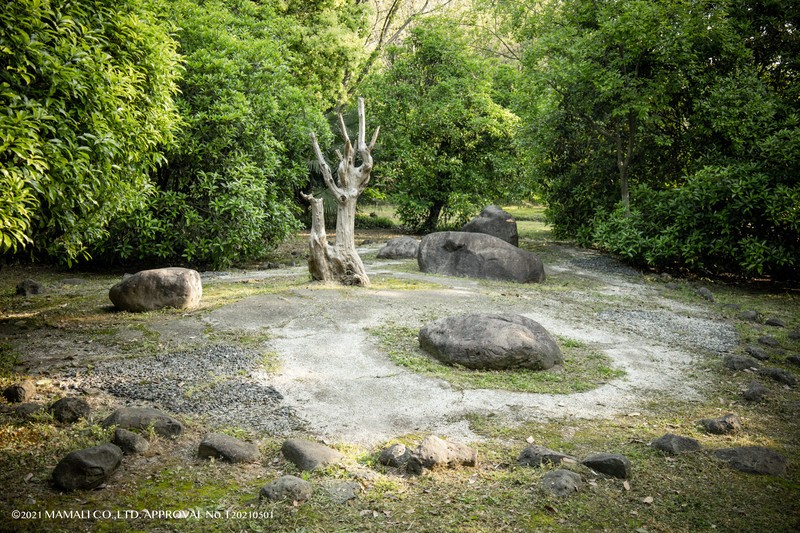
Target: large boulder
{"x":231,"y":449}
{"x":158,"y":288}
{"x":434,"y":452}
{"x":496,"y":222}
{"x":490,"y":342}
{"x":144,"y":418}
{"x":477,"y":255}
{"x":308,"y":455}
{"x":88,"y":468}
{"x":399,"y":248}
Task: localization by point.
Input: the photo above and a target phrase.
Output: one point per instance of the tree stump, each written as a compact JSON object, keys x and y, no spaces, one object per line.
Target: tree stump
{"x":340,"y":263}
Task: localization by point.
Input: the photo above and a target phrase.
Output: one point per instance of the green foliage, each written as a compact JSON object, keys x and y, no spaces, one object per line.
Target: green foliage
{"x":227,"y":192}
{"x":446,"y":146}
{"x":86,"y":108}
{"x":688,"y":107}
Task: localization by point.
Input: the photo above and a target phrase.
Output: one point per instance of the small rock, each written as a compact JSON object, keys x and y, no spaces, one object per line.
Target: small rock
{"x":562,"y":482}
{"x":672,"y":286}
{"x":737,"y":362}
{"x":73,"y":281}
{"x":396,"y":456}
{"x":28,"y":410}
{"x":286,"y":488}
{"x":610,"y":464}
{"x":130,"y":442}
{"x":781,"y":376}
{"x":705,"y":293}
{"x":70,"y":409}
{"x":794,"y":334}
{"x":729,"y":423}
{"x":755,"y":392}
{"x":775,"y":322}
{"x":794,"y":359}
{"x":20,"y":392}
{"x":675,"y":444}
{"x":767,"y":340}
{"x":750,"y":316}
{"x":29,"y":287}
{"x":231,"y":449}
{"x":754,"y":460}
{"x":344,"y":491}
{"x":434,"y":452}
{"x":399,"y":248}
{"x":308,"y":455}
{"x":757,"y":353}
{"x":538,"y":455}
{"x":88,"y":468}
{"x":144,"y":418}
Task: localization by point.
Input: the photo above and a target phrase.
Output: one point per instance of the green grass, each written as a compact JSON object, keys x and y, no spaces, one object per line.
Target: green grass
{"x":583,"y":369}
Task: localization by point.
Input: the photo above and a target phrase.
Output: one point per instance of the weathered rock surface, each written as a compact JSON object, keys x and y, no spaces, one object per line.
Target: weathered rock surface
{"x":675,"y":444}
{"x":757,"y":353}
{"x":308,"y":455}
{"x":477,"y":255}
{"x":562,"y":482}
{"x":754,"y":459}
{"x":130,"y":442}
{"x":144,"y":418}
{"x":496,"y":222}
{"x":755,"y":392}
{"x":20,"y":392}
{"x":343,"y":491}
{"x":29,"y":287}
{"x":535,"y":455}
{"x":775,"y":322}
{"x":705,"y":293}
{"x":158,"y":288}
{"x":400,"y":248}
{"x":88,"y":468}
{"x":492,"y":342}
{"x":781,"y":376}
{"x":290,"y":488}
{"x":768,"y":340}
{"x":729,"y":423}
{"x":396,"y":456}
{"x":611,"y":464}
{"x":70,"y":409}
{"x":737,"y":362}
{"x":225,"y":447}
{"x":750,"y":315}
{"x":28,"y":410}
{"x":434,"y":452}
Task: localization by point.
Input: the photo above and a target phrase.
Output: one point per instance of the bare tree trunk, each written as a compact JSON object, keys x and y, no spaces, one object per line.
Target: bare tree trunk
{"x":340,"y":263}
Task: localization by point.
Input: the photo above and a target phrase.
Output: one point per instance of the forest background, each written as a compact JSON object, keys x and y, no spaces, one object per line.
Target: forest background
{"x":152,"y":131}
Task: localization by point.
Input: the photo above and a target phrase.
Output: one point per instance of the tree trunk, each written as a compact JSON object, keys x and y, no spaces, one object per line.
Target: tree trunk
{"x":340,"y":263}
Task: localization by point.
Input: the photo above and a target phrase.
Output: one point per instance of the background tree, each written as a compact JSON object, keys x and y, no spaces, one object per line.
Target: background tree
{"x":253,"y":88}
{"x":447,"y":147}
{"x":86,"y":109}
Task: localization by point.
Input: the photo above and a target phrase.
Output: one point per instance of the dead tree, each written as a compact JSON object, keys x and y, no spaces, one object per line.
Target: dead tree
{"x":340,"y":263}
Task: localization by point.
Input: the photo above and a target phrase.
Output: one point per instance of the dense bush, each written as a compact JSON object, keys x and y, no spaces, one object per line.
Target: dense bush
{"x":86,"y":108}
{"x":227,"y":192}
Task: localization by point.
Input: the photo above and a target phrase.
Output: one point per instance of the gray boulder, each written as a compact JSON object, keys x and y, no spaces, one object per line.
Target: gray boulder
{"x":28,"y":410}
{"x":290,"y":488}
{"x":396,"y":456}
{"x":400,"y":248}
{"x":20,"y":392}
{"x":28,"y":287}
{"x":155,"y":289}
{"x":757,"y":353}
{"x":535,"y":455}
{"x":755,"y":392}
{"x":750,"y":315}
{"x":705,"y":293}
{"x":477,"y":255}
{"x":729,"y":423}
{"x":611,"y":464}
{"x":231,"y":449}
{"x":675,"y":444}
{"x":88,"y":468}
{"x":70,"y":409}
{"x":781,"y":376}
{"x":496,"y":222}
{"x":737,"y":362}
{"x":493,"y":342}
{"x":343,"y":491}
{"x":754,"y":460}
{"x":562,"y":482}
{"x":775,"y":322}
{"x":768,"y":340}
{"x":130,"y":442}
{"x":308,"y":455}
{"x":434,"y":452}
{"x":143,"y":418}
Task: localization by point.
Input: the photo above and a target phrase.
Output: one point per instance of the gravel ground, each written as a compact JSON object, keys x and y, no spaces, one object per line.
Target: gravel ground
{"x":334,"y":380}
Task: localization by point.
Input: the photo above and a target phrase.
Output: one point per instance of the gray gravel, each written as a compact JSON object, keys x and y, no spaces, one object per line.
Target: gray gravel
{"x":215,"y":381}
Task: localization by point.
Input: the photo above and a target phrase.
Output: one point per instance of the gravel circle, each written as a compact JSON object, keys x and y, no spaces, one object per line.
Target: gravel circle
{"x":214,"y":381}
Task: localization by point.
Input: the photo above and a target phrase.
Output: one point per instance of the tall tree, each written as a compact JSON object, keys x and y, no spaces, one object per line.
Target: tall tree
{"x":447,"y":146}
